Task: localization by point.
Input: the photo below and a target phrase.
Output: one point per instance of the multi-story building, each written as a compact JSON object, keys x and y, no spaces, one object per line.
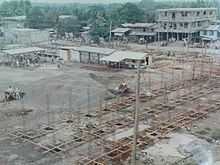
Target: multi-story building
{"x":180,"y":23}
{"x":139,"y":31}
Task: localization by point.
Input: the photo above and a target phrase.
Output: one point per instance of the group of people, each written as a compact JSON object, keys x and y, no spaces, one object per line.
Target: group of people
{"x":13,"y":93}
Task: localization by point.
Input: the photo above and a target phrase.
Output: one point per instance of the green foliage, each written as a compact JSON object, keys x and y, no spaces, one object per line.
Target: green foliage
{"x":36,"y":18}
{"x":69,"y":25}
{"x":40,"y":19}
{"x":99,"y":21}
{"x":100,"y":28}
{"x":96,"y":16}
{"x":15,"y":8}
{"x":130,"y":13}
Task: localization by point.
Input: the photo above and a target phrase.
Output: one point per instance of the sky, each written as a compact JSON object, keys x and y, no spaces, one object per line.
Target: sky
{"x":82,"y":1}
{"x":87,"y":1}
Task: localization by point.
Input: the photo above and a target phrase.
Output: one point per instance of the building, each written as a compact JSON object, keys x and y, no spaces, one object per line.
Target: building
{"x":26,"y":36}
{"x":21,"y":57}
{"x":180,"y":23}
{"x":13,"y":22}
{"x":139,"y":31}
{"x":119,"y":33}
{"x":84,"y":54}
{"x":211,"y":33}
{"x":127,"y":59}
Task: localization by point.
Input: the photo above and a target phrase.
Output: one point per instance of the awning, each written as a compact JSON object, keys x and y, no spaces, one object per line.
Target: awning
{"x":119,"y":56}
{"x":23,"y":50}
{"x":142,"y":34}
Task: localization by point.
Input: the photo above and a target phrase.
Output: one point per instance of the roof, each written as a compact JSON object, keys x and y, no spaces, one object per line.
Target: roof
{"x":23,"y":50}
{"x":137,"y":25}
{"x":68,"y":47}
{"x":206,"y":38}
{"x":15,"y":18}
{"x":25,"y":30}
{"x":66,"y":16}
{"x":120,"y":30}
{"x":119,"y":56}
{"x":186,"y":9}
{"x":104,"y":51}
{"x":142,"y":34}
{"x":213,"y":28}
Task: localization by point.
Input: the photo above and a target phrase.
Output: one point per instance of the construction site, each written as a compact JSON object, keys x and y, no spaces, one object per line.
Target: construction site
{"x":66,"y":101}
{"x":90,"y":114}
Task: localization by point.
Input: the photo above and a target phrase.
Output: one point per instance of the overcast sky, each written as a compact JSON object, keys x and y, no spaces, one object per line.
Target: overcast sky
{"x":82,"y":1}
{"x":89,"y":1}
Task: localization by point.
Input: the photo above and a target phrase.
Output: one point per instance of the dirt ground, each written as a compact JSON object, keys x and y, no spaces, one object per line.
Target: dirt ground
{"x":59,"y":86}
{"x":54,"y":95}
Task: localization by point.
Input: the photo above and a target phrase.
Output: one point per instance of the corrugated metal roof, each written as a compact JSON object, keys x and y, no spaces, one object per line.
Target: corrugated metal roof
{"x":68,"y":47}
{"x":142,"y":34}
{"x":23,"y":50}
{"x":104,"y":51}
{"x":25,"y":30}
{"x":15,"y":18}
{"x":119,"y":56}
{"x":120,"y":30}
{"x":186,"y":9}
{"x":138,"y":25}
{"x":213,"y":28}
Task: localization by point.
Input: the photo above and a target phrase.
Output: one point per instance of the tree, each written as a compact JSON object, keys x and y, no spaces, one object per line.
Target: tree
{"x":69,"y":25}
{"x":130,"y":13}
{"x":147,"y":4}
{"x":100,"y":28}
{"x":36,"y":18}
{"x":15,"y":8}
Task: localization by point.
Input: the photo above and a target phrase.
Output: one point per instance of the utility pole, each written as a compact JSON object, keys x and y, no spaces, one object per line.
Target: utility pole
{"x":134,"y":149}
{"x":110,"y":32}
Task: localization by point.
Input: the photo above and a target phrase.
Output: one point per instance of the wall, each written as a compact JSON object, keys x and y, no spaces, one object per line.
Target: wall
{"x":210,"y":34}
{"x":69,"y":55}
{"x":185,"y":21}
{"x":26,"y":36}
{"x":187,"y":15}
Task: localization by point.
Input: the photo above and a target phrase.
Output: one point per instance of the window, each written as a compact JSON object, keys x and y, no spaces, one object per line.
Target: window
{"x":185,"y":25}
{"x":181,"y":24}
{"x":173,"y":15}
{"x":170,"y":25}
{"x":165,"y":13}
{"x":144,"y":30}
{"x":199,"y":24}
{"x":210,"y":12}
{"x":211,"y":33}
{"x":165,"y":26}
{"x":182,"y":13}
{"x":198,"y":13}
{"x":205,"y":32}
{"x":204,"y":13}
{"x":174,"y":26}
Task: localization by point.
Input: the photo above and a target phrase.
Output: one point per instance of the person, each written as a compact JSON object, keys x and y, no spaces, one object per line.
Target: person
{"x":10,"y":89}
{"x":8,"y":93}
{"x":17,"y":94}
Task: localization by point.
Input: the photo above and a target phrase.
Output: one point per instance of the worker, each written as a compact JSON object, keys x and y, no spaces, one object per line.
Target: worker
{"x":17,"y":94}
{"x":8,"y":93}
{"x":10,"y":89}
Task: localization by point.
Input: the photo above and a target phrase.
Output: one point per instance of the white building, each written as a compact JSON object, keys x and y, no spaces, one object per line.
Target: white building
{"x":211,"y":33}
{"x":26,"y":36}
{"x":180,"y":23}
